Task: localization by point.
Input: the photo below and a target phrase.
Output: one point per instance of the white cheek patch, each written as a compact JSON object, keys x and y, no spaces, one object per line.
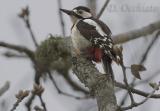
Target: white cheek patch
{"x":87,"y":14}
{"x":76,"y":11}
{"x":84,"y":13}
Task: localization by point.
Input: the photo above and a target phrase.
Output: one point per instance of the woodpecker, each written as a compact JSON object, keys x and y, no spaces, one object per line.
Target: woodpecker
{"x":92,"y":37}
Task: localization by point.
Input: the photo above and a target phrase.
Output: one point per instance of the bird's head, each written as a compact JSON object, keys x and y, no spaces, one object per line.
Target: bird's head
{"x":77,"y":13}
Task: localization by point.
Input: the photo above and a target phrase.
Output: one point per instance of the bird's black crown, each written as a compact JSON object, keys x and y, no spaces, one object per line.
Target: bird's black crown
{"x":83,"y":8}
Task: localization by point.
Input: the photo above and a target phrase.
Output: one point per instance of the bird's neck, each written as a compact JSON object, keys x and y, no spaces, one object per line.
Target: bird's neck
{"x":74,"y":23}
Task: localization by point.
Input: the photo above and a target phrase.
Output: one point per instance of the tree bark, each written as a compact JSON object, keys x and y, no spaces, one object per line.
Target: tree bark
{"x":100,"y":85}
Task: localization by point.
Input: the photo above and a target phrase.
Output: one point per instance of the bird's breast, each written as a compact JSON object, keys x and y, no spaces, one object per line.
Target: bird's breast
{"x":79,"y":42}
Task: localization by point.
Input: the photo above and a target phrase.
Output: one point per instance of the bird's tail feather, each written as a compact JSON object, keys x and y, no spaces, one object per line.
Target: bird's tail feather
{"x":107,"y":66}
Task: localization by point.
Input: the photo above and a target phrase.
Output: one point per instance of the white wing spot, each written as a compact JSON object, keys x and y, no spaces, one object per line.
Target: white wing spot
{"x":110,"y":45}
{"x":109,"y":40}
{"x":101,"y":46}
{"x":105,"y":39}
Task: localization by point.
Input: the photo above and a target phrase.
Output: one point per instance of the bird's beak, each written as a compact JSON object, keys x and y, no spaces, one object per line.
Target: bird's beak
{"x":68,"y":12}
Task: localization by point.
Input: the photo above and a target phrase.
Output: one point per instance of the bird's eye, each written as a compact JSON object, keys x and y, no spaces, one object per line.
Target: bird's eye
{"x":80,"y":12}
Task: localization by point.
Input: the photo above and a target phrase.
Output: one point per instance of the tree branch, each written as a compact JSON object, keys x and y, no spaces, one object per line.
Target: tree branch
{"x":93,"y":6}
{"x":25,"y":16}
{"x":100,"y":85}
{"x":126,"y":83}
{"x":136,"y":91}
{"x":143,"y":101}
{"x":10,"y":54}
{"x":153,"y":75}
{"x":143,"y":59}
{"x":20,"y":49}
{"x":61,"y":18}
{"x":74,"y":85}
{"x":60,"y":91}
{"x":135,"y":34}
{"x":103,"y":8}
{"x":29,"y":102}
{"x":42,"y":102}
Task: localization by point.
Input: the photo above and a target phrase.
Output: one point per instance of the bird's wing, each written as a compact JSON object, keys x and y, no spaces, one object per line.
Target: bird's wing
{"x":104,"y":27}
{"x":94,"y":33}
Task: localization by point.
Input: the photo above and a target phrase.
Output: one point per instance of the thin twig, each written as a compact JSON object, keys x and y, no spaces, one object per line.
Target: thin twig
{"x":144,"y":58}
{"x":20,"y":96}
{"x":143,"y":101}
{"x":63,"y":93}
{"x":93,"y":6}
{"x":37,"y":81}
{"x":61,"y":18}
{"x":136,"y":91}
{"x":29,"y":102}
{"x":4,"y":88}
{"x":102,"y":9}
{"x":126,"y":82}
{"x":32,"y":34}
{"x":135,"y":84}
{"x":16,"y":104}
{"x":42,"y":103}
{"x":25,"y":16}
{"x":36,"y":91}
{"x":148,"y":79}
{"x":20,"y":49}
{"x":13,"y":55}
{"x":37,"y":108}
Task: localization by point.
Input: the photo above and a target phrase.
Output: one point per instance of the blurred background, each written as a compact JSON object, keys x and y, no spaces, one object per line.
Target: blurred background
{"x":120,"y":15}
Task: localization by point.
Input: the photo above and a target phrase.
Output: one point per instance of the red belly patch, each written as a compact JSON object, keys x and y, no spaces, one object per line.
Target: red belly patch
{"x":98,"y":53}
{"x":95,"y":54}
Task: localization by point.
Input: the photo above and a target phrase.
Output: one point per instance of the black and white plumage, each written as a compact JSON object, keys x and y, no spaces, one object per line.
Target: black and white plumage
{"x":92,"y":30}
{"x":90,"y":33}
